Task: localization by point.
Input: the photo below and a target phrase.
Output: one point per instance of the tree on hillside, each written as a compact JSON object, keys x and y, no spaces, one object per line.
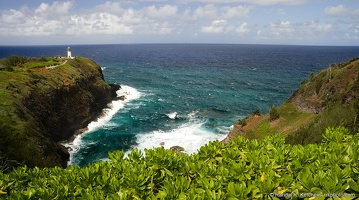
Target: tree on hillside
{"x":13,"y":61}
{"x":311,"y":76}
{"x":273,"y":113}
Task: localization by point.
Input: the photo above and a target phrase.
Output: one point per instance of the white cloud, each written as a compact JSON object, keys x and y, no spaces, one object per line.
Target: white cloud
{"x":217,"y":26}
{"x":97,"y":23}
{"x":110,"y":7}
{"x":40,"y":28}
{"x":243,"y":28}
{"x":341,"y":10}
{"x":131,"y":16}
{"x":12,"y":17}
{"x":255,"y":2}
{"x":165,"y":29}
{"x":353,"y":31}
{"x":56,"y":9}
{"x":234,"y":12}
{"x":44,"y":20}
{"x":281,"y":28}
{"x":274,"y":2}
{"x":238,"y":19}
{"x":208,"y":11}
{"x":211,"y":11}
{"x":162,"y":12}
{"x":315,"y":27}
{"x":336,"y":11}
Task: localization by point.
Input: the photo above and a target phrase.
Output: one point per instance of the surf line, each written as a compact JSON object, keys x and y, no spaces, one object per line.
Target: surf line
{"x":74,"y":144}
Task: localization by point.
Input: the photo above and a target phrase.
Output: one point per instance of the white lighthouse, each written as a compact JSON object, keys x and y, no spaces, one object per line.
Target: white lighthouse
{"x":69,"y":52}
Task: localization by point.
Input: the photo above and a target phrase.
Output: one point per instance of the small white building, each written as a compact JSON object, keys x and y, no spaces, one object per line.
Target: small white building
{"x":69,"y":53}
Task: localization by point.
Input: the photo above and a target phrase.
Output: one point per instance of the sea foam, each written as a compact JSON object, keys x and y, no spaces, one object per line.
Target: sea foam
{"x":128,"y":92}
{"x":191,"y":136}
{"x":172,"y":115}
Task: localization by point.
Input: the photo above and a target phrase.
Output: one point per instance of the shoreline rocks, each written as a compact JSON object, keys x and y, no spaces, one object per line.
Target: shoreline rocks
{"x":177,"y":149}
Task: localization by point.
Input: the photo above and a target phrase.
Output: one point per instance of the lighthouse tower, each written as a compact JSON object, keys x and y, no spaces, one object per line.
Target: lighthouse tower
{"x":69,"y":52}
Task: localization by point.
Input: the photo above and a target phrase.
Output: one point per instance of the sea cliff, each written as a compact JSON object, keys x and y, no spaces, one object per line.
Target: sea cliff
{"x":328,"y":98}
{"x":41,"y":106}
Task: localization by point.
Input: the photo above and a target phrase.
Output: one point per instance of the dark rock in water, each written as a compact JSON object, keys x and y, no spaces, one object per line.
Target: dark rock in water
{"x":177,"y":148}
{"x":64,"y":154}
{"x":114,"y":88}
{"x":122,"y":97}
{"x":162,"y":143}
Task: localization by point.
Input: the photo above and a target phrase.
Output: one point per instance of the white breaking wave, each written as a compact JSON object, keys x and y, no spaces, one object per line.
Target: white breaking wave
{"x":191,"y":136}
{"x":130,"y":94}
{"x":172,"y":115}
{"x":192,"y":114}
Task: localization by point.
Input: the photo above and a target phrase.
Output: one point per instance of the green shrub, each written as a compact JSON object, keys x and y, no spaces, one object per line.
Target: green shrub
{"x":303,"y":84}
{"x":256,"y":112}
{"x":311,"y":76}
{"x":334,"y":115}
{"x":242,"y":169}
{"x":273,"y":113}
{"x":318,"y":85}
{"x":241,"y":122}
{"x":262,"y":131}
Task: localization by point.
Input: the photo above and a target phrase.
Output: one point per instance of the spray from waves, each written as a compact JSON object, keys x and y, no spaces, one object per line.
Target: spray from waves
{"x":129,"y":93}
{"x":191,"y":136}
{"x":172,"y":115}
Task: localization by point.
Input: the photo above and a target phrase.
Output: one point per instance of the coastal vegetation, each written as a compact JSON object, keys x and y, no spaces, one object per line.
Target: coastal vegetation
{"x":328,"y":98}
{"x":18,"y":63}
{"x":273,"y":113}
{"x":241,"y":169}
{"x":40,"y":107}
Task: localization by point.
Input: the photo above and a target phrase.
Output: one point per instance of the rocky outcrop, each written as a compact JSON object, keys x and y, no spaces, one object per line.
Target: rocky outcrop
{"x":338,"y":84}
{"x":177,"y":149}
{"x":54,"y":104}
{"x":236,"y":131}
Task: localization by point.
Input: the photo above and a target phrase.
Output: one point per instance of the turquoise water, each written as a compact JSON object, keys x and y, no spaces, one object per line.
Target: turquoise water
{"x":187,"y":94}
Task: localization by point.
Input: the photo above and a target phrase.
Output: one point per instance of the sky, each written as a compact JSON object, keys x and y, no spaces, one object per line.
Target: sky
{"x":285,"y":22}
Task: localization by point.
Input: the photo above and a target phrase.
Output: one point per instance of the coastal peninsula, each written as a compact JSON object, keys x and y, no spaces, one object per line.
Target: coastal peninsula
{"x":45,"y":101}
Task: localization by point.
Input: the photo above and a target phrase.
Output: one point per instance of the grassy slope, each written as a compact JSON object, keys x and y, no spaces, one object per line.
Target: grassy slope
{"x":23,"y":138}
{"x":327,"y":100}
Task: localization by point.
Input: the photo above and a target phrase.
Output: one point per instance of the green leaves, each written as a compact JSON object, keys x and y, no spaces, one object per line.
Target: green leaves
{"x":242,"y":169}
{"x":339,"y":134}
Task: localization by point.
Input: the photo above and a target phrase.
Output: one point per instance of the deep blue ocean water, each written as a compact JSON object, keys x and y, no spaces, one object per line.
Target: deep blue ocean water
{"x":186,"y":94}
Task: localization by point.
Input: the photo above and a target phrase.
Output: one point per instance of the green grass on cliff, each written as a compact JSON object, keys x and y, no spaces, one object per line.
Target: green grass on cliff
{"x":291,"y":118}
{"x":26,"y":93}
{"x":330,"y":98}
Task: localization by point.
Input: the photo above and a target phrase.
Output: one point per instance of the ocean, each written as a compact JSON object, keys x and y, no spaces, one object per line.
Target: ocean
{"x":186,"y":94}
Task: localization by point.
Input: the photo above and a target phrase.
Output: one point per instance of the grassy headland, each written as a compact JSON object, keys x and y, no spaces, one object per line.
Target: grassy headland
{"x":44,"y":101}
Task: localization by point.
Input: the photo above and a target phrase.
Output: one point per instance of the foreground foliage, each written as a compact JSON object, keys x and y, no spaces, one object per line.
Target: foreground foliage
{"x":242,"y":169}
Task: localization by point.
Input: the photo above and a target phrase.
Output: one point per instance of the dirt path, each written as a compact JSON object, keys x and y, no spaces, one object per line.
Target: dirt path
{"x":51,"y":67}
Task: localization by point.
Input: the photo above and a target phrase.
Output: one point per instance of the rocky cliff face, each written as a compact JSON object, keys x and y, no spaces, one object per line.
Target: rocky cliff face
{"x":338,"y":84}
{"x":52,"y":105}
